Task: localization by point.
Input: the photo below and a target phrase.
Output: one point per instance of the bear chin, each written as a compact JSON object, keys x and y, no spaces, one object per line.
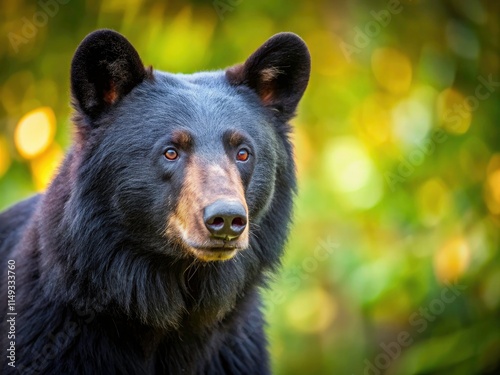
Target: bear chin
{"x":213,"y":254}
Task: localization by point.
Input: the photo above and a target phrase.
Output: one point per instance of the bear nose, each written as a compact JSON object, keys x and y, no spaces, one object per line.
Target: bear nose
{"x":225,"y":219}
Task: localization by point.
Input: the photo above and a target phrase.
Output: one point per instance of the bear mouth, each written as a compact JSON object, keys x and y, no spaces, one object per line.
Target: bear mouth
{"x":213,"y":250}
{"x":206,"y":248}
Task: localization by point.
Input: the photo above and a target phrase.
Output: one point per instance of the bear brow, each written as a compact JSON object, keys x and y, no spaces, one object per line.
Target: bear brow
{"x":234,"y":138}
{"x":182,"y":138}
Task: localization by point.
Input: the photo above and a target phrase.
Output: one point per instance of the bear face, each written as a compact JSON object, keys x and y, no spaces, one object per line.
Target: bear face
{"x":187,"y":163}
{"x":206,"y":129}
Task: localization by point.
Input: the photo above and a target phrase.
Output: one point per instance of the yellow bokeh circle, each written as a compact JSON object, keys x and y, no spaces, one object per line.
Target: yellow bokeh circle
{"x":35,"y":132}
{"x":392,"y":70}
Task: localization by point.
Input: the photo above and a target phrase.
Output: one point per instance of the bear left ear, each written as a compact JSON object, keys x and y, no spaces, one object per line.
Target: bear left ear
{"x":105,"y":68}
{"x":278,"y":72}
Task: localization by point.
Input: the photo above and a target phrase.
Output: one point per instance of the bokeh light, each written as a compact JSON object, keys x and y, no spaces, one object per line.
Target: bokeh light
{"x":374,"y":117}
{"x":35,"y":132}
{"x":311,"y":311}
{"x":392,"y":70}
{"x":452,"y":260}
{"x":434,"y":201}
{"x":352,"y":173}
{"x":412,"y":121}
{"x":44,"y":166}
{"x":454,"y":111}
{"x":348,"y":164}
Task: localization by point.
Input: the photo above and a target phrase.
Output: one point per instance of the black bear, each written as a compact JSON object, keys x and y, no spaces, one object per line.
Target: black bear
{"x":146,"y":253}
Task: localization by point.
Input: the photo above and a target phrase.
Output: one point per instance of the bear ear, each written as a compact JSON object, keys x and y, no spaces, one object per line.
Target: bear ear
{"x":278,"y":72}
{"x":105,"y":68}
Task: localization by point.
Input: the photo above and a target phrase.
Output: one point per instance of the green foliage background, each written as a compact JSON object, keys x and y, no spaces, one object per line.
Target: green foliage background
{"x":397,"y":151}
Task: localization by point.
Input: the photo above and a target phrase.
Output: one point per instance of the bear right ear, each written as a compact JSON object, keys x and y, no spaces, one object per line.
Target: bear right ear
{"x":105,"y":68}
{"x":278,"y":72}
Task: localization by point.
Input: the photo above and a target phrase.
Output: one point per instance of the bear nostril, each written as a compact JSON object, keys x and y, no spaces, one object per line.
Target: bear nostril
{"x":225,"y":219}
{"x":238,"y":222}
{"x":216,"y":222}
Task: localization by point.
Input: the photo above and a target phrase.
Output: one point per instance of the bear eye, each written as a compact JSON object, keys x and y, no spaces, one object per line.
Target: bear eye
{"x":242,"y":155}
{"x":171,"y":154}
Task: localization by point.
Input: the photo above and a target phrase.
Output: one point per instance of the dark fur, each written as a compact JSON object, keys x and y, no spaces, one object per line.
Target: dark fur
{"x":100,"y":288}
